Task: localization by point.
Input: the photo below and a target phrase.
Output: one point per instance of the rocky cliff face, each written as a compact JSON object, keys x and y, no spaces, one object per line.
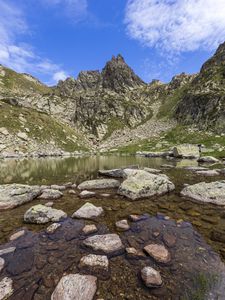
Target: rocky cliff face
{"x":204,"y":102}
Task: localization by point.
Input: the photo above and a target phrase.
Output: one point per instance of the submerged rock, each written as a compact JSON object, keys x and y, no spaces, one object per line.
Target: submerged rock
{"x":53,"y":227}
{"x":6,"y":288}
{"x":89,"y":229}
{"x":134,"y":253}
{"x":143,"y":184}
{"x":17,"y":235}
{"x":208,"y":159}
{"x":151,"y":277}
{"x":88,"y":211}
{"x":158,"y":252}
{"x":75,"y":287}
{"x":99,"y":184}
{"x":86,"y":194}
{"x":95,"y":264}
{"x":106,"y":243}
{"x":40,"y":214}
{"x":7,"y":250}
{"x":2,"y":263}
{"x":123,"y":225}
{"x":13,"y":195}
{"x":186,"y":151}
{"x":50,"y":194}
{"x":213,"y":192}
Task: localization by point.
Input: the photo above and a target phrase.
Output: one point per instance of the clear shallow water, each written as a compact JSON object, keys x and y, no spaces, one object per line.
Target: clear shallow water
{"x":208,"y":220}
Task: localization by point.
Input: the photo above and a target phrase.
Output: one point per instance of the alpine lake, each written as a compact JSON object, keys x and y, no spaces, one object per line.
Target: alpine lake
{"x":199,"y":228}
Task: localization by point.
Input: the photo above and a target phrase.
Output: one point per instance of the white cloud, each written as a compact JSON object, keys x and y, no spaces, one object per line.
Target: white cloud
{"x":61,"y":75}
{"x":177,"y":25}
{"x":18,"y":56}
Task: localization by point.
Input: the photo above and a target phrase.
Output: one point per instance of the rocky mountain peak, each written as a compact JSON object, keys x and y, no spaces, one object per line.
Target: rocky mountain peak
{"x":118,"y":76}
{"x":217,"y":61}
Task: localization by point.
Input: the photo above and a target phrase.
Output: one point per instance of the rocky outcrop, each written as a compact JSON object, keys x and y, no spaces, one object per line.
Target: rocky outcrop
{"x":142,"y":184}
{"x":13,"y":195}
{"x":213,"y":192}
{"x":75,"y":286}
{"x":40,"y":214}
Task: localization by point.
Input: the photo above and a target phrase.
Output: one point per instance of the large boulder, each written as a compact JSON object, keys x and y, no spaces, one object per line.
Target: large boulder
{"x":88,"y":211}
{"x":142,"y":184}
{"x":186,"y":151}
{"x":13,"y":195}
{"x":213,"y":192}
{"x":99,"y":184}
{"x":41,"y":214}
{"x":75,"y":287}
{"x":106,"y":243}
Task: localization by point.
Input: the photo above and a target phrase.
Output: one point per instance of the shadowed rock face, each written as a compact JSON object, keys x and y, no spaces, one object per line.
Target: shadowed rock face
{"x":41,"y":260}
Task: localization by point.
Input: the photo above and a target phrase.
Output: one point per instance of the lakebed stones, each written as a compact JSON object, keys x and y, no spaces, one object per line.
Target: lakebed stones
{"x":53,"y":227}
{"x":95,"y":264}
{"x":2,"y":264}
{"x":122,"y":225}
{"x":143,"y":184}
{"x":86,"y":194}
{"x":6,"y":288}
{"x":40,"y":214}
{"x":89,"y":229}
{"x":7,"y":250}
{"x":158,"y":252}
{"x":88,"y":211}
{"x":99,"y":184}
{"x":17,"y":235}
{"x":107,"y":243}
{"x":13,"y":195}
{"x":186,"y":151}
{"x":208,"y":159}
{"x":213,"y":192}
{"x":151,"y":277}
{"x":50,"y":194}
{"x":75,"y":287}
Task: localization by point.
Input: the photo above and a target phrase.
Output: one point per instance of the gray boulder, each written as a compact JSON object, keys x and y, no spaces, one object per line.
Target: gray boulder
{"x":106,"y":243}
{"x":13,"y":195}
{"x":99,"y":184}
{"x":142,"y":184}
{"x":88,"y":211}
{"x":41,"y":214}
{"x":213,"y":192}
{"x":50,"y":194}
{"x":75,"y":287}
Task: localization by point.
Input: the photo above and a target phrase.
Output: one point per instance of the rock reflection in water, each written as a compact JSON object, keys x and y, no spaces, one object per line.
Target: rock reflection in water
{"x":194,"y":272}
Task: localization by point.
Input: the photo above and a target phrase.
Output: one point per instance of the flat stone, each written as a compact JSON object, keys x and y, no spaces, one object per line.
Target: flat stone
{"x":40,"y":214}
{"x":88,"y":211}
{"x":134,"y":253}
{"x":117,"y":173}
{"x":153,"y":171}
{"x":195,"y":169}
{"x":208,"y":159}
{"x":17,"y":235}
{"x":6,"y":288}
{"x":50,"y":194}
{"x":89,"y":229}
{"x":106,"y":243}
{"x":58,"y":187}
{"x":53,"y":227}
{"x":151,"y":277}
{"x":49,"y":204}
{"x":72,"y":192}
{"x":94,"y":264}
{"x":137,"y":218}
{"x":158,"y":252}
{"x":123,"y":225}
{"x":75,"y":287}
{"x":143,"y":184}
{"x":86,"y":194}
{"x":13,"y":195}
{"x":99,"y":184}
{"x":2,"y":263}
{"x":7,"y":250}
{"x":213,"y":192}
{"x":208,"y":173}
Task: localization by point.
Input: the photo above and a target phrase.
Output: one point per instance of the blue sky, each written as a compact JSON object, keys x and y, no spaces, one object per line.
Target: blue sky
{"x":53,"y":39}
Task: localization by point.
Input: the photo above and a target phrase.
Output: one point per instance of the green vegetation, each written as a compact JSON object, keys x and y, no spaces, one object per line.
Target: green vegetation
{"x":40,"y":127}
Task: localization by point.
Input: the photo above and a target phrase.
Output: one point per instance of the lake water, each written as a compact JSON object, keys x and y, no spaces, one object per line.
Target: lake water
{"x":208,"y":220}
